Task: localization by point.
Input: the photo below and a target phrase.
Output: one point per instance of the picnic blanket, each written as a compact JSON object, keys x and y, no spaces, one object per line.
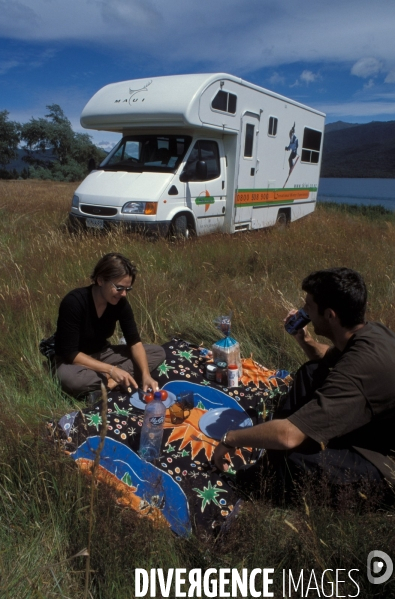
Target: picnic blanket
{"x":181,"y":489}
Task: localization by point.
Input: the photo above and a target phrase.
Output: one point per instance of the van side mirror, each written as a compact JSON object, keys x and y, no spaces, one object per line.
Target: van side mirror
{"x":200,"y":173}
{"x":201,"y":170}
{"x":91,"y":165}
{"x":185,"y":176}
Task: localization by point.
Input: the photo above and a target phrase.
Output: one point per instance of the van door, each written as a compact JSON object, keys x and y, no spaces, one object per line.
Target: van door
{"x":248,"y":165}
{"x":206,"y":197}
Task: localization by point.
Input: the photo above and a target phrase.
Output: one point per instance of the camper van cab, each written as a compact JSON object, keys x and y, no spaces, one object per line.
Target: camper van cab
{"x":199,"y":154}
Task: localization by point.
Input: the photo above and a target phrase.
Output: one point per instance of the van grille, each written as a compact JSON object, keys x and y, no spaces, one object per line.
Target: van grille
{"x":98,"y":210}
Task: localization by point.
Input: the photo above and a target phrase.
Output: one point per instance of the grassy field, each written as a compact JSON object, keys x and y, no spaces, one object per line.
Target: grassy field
{"x":181,"y":288}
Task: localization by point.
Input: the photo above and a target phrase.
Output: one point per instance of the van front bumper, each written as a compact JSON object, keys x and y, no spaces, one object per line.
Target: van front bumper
{"x":103,"y":224}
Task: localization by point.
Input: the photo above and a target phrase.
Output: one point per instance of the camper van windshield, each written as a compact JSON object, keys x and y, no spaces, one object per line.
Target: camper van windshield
{"x":153,"y":153}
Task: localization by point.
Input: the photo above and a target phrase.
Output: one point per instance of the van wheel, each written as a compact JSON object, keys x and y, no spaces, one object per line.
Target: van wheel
{"x":282,"y":220}
{"x":179,"y":227}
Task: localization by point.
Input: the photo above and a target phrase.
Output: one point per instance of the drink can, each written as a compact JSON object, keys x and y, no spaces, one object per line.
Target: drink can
{"x":233,"y":375}
{"x":297,"y":322}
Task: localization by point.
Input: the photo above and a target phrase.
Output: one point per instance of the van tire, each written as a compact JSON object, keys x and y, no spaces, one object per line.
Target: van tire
{"x":180,"y":228}
{"x":283,"y":218}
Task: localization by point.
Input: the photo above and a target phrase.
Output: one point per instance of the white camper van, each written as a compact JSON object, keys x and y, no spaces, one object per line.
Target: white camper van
{"x":200,"y":153}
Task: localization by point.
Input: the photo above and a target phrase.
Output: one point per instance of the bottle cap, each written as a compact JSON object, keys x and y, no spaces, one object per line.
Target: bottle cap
{"x":233,"y":367}
{"x":157,"y":395}
{"x":221,"y":364}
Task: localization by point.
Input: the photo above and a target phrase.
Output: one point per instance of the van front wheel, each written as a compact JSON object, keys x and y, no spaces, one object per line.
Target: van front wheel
{"x":180,"y":228}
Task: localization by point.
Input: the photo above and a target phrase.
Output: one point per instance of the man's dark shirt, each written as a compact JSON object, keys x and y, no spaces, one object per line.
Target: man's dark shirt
{"x":355,"y":406}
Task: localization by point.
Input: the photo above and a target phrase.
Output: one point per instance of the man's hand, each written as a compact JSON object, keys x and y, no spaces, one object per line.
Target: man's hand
{"x":302,"y":334}
{"x":219,"y":456}
{"x":312,"y":348}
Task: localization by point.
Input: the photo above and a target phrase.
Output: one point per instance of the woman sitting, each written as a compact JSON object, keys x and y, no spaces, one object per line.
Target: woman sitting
{"x":87,"y":318}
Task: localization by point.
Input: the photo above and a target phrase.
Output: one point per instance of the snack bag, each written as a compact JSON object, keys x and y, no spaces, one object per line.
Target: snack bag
{"x":227,"y":349}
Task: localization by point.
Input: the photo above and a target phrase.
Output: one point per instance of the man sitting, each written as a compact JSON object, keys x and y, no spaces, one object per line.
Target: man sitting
{"x":338,"y":418}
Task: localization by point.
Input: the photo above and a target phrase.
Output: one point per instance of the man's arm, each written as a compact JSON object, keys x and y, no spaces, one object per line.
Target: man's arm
{"x":311,"y":347}
{"x":276,"y":434}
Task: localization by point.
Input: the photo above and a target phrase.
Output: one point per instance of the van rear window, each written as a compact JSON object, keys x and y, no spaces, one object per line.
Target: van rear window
{"x":225,"y":102}
{"x":272,"y":128}
{"x":311,"y":146}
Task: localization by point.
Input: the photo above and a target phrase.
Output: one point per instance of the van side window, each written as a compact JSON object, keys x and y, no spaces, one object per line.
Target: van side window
{"x":225,"y":102}
{"x":272,"y":129}
{"x":311,"y":145}
{"x":249,"y":141}
{"x":207,"y":150}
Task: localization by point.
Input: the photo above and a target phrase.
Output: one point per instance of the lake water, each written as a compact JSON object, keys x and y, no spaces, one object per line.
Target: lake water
{"x":369,"y":192}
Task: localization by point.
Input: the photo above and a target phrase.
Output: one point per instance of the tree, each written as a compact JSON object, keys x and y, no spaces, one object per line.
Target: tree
{"x":9,"y":138}
{"x":54,"y":150}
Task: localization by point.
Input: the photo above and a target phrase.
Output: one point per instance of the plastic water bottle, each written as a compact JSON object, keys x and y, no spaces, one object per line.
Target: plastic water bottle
{"x":152,"y":431}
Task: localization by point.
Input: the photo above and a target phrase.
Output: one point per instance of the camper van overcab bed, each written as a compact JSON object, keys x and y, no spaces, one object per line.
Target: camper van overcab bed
{"x":200,"y":153}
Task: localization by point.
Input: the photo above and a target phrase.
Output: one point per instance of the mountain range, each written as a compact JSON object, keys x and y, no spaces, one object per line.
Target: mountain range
{"x":359,"y":151}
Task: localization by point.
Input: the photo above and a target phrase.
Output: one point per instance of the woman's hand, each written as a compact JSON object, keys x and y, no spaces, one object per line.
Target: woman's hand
{"x":150,"y":383}
{"x":121,"y":377}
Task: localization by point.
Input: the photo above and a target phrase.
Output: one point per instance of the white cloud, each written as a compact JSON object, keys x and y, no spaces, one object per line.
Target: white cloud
{"x":131,"y":13}
{"x":309,"y":77}
{"x":358,"y":109}
{"x":305,"y":78}
{"x":390,"y":77}
{"x":367,"y":67}
{"x":231,"y":35}
{"x":21,"y":59}
{"x":276,"y":79}
{"x":369,"y":84}
{"x":7,"y":65}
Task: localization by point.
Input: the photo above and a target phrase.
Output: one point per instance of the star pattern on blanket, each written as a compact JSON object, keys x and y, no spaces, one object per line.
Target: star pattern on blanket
{"x":256,"y":373}
{"x":209,"y":494}
{"x":190,"y":434}
{"x":188,"y":355}
{"x":164,"y":368}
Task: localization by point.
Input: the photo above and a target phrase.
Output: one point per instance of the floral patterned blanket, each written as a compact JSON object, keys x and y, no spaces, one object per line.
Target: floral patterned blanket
{"x":181,"y":490}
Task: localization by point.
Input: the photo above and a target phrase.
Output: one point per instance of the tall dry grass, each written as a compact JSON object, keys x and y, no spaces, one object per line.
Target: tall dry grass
{"x":181,"y":287}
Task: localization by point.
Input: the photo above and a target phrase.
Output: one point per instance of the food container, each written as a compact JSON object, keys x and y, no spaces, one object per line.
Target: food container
{"x":221,"y":376}
{"x":228,"y":350}
{"x":211,"y":371}
{"x":233,"y":375}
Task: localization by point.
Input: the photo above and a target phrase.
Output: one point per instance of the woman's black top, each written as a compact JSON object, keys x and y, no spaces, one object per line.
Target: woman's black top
{"x":79,"y":329}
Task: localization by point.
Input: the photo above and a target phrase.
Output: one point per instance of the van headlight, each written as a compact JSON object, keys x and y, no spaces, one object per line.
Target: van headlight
{"x":140,"y":208}
{"x":75,"y":203}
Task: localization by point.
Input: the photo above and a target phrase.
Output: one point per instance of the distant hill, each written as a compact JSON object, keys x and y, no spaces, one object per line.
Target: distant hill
{"x":352,"y":150}
{"x":339,"y":125}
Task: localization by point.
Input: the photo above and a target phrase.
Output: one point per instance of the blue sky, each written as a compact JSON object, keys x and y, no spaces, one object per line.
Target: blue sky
{"x":337,"y":56}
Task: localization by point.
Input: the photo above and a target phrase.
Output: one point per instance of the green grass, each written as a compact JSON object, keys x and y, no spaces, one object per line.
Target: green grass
{"x":180,"y":289}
